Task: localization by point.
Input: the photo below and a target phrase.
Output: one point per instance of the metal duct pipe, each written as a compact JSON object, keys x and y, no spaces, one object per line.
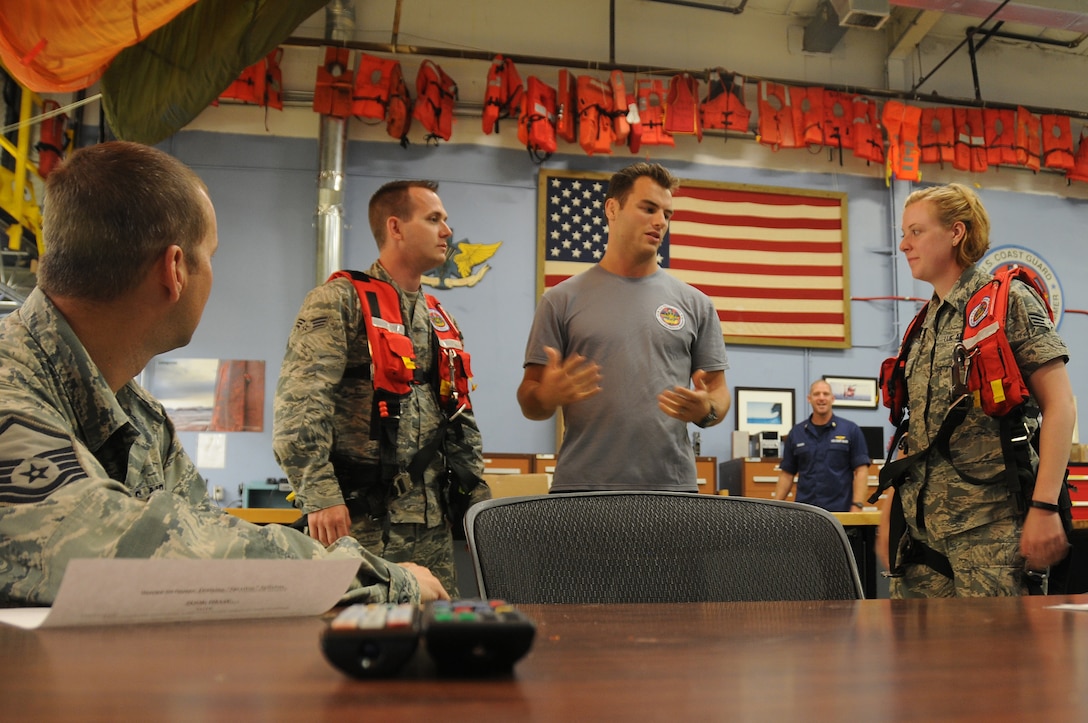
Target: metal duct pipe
{"x":332,"y":144}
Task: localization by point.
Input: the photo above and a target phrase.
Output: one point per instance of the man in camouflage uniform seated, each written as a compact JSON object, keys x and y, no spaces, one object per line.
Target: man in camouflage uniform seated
{"x":90,"y":466}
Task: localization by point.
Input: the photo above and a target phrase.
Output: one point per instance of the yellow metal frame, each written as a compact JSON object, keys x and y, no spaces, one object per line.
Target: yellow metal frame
{"x":17,"y":193}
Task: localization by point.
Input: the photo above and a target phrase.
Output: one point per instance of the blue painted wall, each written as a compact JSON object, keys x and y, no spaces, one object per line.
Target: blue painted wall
{"x":264,"y":190}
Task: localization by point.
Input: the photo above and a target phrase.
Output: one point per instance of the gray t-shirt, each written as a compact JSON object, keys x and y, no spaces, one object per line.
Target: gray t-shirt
{"x":648,"y":334}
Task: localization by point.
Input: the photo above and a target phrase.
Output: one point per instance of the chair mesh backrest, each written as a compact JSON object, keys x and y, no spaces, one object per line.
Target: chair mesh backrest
{"x":616,"y":547}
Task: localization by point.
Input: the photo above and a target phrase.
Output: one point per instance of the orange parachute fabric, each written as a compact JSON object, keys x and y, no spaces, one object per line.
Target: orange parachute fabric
{"x":54,"y":46}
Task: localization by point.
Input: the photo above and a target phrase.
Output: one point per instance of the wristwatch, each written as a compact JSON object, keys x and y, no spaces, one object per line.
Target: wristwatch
{"x":710,"y":418}
{"x":859,"y":505}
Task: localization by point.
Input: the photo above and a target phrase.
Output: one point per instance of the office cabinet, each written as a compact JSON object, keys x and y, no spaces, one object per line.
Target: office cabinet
{"x":505,"y":463}
{"x":758,"y":477}
{"x":706,"y":474}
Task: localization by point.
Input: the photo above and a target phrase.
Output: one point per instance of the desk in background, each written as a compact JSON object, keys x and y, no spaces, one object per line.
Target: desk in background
{"x":970,"y":659}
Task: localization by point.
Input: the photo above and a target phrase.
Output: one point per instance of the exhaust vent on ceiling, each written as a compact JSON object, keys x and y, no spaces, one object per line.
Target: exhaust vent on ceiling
{"x":868,"y":14}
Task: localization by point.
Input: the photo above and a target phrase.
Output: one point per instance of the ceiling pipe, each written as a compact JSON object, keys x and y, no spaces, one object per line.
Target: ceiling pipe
{"x":332,"y":142}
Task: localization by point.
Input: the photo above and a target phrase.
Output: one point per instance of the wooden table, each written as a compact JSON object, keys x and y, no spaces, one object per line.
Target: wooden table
{"x":872,"y":660}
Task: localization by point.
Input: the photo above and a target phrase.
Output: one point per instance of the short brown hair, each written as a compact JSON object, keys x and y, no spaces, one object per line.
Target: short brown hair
{"x":110,"y":210}
{"x":623,"y":180}
{"x":393,"y":199}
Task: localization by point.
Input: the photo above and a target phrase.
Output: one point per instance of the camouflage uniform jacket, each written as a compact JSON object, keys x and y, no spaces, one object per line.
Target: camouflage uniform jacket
{"x":322,"y":413}
{"x":86,"y":473}
{"x":951,"y":504}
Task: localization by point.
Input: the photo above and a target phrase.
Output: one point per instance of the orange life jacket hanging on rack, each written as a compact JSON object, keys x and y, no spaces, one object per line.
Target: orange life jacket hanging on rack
{"x":335,"y":81}
{"x":937,"y":135}
{"x":723,"y":107}
{"x":373,"y":86}
{"x":904,"y":157}
{"x":536,"y":124}
{"x":1079,"y":171}
{"x":1057,"y":137}
{"x":398,"y":118}
{"x":566,"y":110}
{"x":651,"y":112}
{"x":776,"y":118}
{"x":249,"y":86}
{"x":838,"y":125}
{"x":807,"y":105}
{"x":682,"y":106}
{"x":999,"y":125}
{"x":970,"y":150}
{"x":51,"y":141}
{"x":502,"y":99}
{"x":594,"y":115}
{"x":621,"y":127}
{"x":1028,"y":144}
{"x":435,"y":94}
{"x":868,"y":135}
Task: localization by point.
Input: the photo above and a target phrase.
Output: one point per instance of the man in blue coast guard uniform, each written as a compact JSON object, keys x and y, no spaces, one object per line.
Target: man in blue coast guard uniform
{"x":828,"y":455}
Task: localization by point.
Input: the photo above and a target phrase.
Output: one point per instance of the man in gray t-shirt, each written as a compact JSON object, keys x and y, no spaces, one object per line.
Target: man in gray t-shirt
{"x":629,"y":353}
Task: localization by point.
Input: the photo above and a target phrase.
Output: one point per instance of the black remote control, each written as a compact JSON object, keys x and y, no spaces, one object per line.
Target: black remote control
{"x":476,"y":637}
{"x":372,"y":640}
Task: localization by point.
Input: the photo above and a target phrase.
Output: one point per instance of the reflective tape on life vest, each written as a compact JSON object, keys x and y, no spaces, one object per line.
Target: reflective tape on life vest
{"x":970,"y":150}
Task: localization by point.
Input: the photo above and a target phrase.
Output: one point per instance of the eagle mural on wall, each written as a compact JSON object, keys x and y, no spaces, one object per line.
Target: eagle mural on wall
{"x":461,"y":258}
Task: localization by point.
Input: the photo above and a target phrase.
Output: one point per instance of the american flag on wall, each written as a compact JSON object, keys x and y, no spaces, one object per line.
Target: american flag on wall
{"x":773,"y":260}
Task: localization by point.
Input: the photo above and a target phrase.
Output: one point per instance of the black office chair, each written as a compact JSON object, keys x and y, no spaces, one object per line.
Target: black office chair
{"x":627,"y":547}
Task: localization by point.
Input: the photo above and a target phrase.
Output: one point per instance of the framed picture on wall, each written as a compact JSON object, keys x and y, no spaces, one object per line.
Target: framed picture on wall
{"x":861,"y":392}
{"x":760,"y":409}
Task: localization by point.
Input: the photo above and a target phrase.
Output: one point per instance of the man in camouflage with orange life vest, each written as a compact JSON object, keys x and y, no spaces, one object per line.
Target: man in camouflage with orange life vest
{"x":372,"y":420}
{"x":958,"y":504}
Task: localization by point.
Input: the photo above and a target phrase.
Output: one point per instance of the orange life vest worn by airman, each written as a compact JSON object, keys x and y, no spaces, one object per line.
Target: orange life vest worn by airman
{"x":393,"y":357}
{"x":333,"y":89}
{"x":373,"y":86}
{"x":502,"y":98}
{"x":904,"y":157}
{"x":1028,"y":144}
{"x":621,"y":127}
{"x":1000,"y":129}
{"x":566,"y":111}
{"x":682,"y":106}
{"x":594,"y":115}
{"x":970,"y":150}
{"x":937,"y":135}
{"x":651,"y":113}
{"x":808,"y":114}
{"x":1057,"y":137}
{"x":776,"y":118}
{"x":723,"y":107}
{"x":435,"y":94}
{"x":536,"y":124}
{"x":868,"y":135}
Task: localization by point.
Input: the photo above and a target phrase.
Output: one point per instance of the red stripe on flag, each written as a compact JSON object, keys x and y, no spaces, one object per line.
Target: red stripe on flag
{"x":778,"y":317}
{"x":752,"y":292}
{"x":726,"y":195}
{"x":822,"y":224}
{"x":754,"y":269}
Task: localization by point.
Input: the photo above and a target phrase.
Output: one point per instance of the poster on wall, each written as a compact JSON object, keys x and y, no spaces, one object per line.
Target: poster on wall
{"x":773,"y":260}
{"x":210,"y":395}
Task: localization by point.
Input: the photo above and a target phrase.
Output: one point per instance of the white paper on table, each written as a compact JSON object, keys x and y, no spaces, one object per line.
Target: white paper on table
{"x":126,"y":591}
